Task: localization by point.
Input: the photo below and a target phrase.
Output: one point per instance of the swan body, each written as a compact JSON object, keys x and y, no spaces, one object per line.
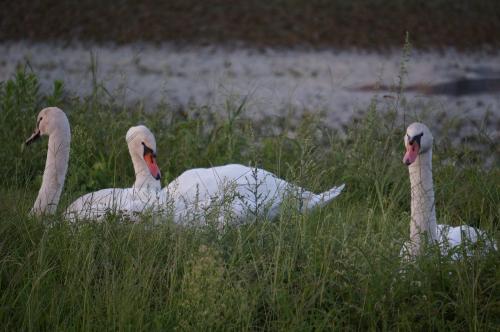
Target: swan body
{"x":418,"y":157}
{"x":237,"y":192}
{"x":233,"y":190}
{"x":130,"y":202}
{"x":52,"y":122}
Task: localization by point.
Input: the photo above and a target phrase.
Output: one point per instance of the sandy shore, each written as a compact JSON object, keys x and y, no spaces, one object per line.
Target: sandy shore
{"x":277,"y":82}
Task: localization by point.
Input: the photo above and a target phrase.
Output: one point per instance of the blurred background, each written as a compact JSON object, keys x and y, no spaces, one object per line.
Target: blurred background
{"x":367,"y":24}
{"x":330,"y":57}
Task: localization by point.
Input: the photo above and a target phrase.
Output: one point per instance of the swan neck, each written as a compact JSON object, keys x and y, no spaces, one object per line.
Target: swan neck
{"x":143,"y":178}
{"x":54,"y":174}
{"x":423,"y":213}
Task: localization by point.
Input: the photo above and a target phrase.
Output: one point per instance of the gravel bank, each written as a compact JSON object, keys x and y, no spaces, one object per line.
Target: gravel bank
{"x":339,"y":84}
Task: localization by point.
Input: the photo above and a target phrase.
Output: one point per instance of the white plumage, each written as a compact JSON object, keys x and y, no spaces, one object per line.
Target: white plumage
{"x":456,"y":241}
{"x":237,"y":192}
{"x":142,"y":196}
{"x":130,"y":202}
{"x":231,"y":192}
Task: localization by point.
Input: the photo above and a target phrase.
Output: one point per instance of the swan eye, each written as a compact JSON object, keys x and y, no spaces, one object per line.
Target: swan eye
{"x":148,"y":150}
{"x":418,"y":137}
{"x":414,"y":139}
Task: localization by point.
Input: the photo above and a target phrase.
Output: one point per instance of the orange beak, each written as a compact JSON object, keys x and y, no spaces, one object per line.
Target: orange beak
{"x":411,"y":153}
{"x":152,"y":165}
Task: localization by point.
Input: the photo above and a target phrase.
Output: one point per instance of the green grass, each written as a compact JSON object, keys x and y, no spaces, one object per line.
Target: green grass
{"x":336,"y":268}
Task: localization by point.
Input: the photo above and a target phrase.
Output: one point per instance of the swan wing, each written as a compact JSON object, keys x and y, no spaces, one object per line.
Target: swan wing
{"x":246,"y":190}
{"x":96,"y":205}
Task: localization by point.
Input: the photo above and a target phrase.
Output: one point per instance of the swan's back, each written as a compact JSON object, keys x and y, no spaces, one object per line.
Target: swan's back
{"x":241,"y":190}
{"x":206,"y":182}
{"x":95,"y":205}
{"x":462,"y":240}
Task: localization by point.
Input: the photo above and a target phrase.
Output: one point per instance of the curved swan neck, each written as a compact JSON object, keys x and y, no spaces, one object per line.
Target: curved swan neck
{"x":143,"y":178}
{"x":54,"y":174}
{"x":423,"y":213}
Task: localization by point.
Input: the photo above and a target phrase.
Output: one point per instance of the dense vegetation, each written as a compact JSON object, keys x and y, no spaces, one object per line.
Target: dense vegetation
{"x":337,"y":267}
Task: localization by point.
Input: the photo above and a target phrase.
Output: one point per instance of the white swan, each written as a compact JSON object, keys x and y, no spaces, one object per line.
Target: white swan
{"x":145,"y":193}
{"x":238,"y":192}
{"x":53,"y":122}
{"x":418,"y":157}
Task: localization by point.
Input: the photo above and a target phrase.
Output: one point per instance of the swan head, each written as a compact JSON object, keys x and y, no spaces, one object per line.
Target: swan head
{"x":48,"y":121}
{"x":418,"y":140}
{"x":142,"y":144}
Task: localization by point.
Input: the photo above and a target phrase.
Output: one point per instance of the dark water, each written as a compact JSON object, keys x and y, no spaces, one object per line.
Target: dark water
{"x":457,"y":88}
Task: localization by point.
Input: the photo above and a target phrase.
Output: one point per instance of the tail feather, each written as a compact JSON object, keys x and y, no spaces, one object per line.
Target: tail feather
{"x":322,"y":199}
{"x":327,"y":196}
